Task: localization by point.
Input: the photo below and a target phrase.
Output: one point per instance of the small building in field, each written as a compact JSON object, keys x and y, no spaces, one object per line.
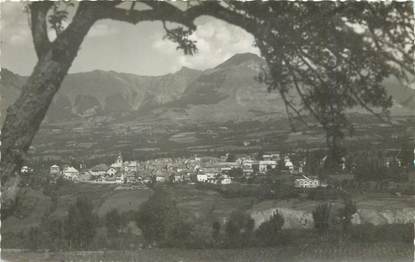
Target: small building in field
{"x":25,"y":170}
{"x":306,"y":182}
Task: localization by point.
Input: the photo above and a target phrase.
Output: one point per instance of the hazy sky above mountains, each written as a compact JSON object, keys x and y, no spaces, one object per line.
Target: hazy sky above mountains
{"x":138,"y":49}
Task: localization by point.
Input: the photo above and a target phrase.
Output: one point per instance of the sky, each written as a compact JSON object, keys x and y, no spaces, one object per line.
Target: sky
{"x":122,"y":47}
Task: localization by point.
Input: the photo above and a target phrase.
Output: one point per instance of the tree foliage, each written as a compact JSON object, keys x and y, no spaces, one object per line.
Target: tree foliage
{"x":113,"y":222}
{"x":239,"y":229}
{"x":268,"y":232}
{"x":161,"y":221}
{"x":80,"y":224}
{"x":334,"y":56}
{"x":346,"y":214}
{"x":321,"y":217}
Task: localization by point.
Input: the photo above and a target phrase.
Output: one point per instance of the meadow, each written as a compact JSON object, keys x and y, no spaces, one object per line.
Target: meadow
{"x":350,"y":252}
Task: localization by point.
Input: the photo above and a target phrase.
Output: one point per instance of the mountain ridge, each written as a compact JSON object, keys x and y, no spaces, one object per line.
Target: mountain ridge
{"x":228,"y":91}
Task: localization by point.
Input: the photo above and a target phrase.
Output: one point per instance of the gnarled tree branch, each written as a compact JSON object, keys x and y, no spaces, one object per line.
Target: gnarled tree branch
{"x":38,"y":19}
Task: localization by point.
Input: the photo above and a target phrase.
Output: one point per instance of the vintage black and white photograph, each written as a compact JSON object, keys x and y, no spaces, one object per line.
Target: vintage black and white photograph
{"x":207,"y":131}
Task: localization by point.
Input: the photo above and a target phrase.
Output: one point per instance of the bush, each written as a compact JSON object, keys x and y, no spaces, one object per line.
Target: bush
{"x":321,"y":216}
{"x":268,"y":232}
{"x":239,"y":229}
{"x":216,"y":230}
{"x":113,"y":222}
{"x":80,"y":224}
{"x":161,"y":222}
{"x":346,"y":214}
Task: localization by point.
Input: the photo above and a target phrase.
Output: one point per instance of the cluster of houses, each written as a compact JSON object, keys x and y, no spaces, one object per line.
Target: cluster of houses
{"x":118,"y":172}
{"x":203,"y":169}
{"x":206,"y":169}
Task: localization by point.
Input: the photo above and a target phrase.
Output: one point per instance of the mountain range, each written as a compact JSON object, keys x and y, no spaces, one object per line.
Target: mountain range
{"x":229,"y":91}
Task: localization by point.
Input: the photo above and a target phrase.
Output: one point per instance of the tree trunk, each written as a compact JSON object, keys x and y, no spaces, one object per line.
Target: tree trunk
{"x":26,"y":114}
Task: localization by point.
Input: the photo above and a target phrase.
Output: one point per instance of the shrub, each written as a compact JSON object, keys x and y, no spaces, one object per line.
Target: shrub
{"x":239,"y":229}
{"x":321,"y":216}
{"x":80,"y":224}
{"x":216,"y":230}
{"x":268,"y":232}
{"x":346,"y":213}
{"x":160,"y":220}
{"x":113,"y":222}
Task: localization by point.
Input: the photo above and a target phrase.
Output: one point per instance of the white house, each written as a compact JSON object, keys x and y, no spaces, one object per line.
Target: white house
{"x":54,"y":170}
{"x":130,"y":166}
{"x":306,"y":182}
{"x":160,"y":179}
{"x":111,"y":171}
{"x":70,"y":173}
{"x":249,"y":163}
{"x":288,"y":164}
{"x":211,"y":177}
{"x":26,"y":170}
{"x":225,"y":180}
{"x":266,"y":165}
{"x":201,"y":177}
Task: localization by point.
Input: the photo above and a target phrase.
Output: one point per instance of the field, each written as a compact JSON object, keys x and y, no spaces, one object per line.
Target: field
{"x":96,"y":142}
{"x":384,"y":252}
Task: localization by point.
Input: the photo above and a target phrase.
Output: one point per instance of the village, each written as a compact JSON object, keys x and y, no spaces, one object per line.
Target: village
{"x":288,"y":168}
{"x":198,"y":169}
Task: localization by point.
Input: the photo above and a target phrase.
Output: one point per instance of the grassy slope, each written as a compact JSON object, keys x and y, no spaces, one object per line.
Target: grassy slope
{"x":357,"y":252}
{"x":203,"y":205}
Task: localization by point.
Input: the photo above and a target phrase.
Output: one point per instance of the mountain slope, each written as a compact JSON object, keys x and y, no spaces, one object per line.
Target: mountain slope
{"x":226,"y":92}
{"x":100,"y":92}
{"x":10,"y":86}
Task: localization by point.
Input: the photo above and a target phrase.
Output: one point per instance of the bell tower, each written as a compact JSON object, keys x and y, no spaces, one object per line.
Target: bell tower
{"x":119,"y":160}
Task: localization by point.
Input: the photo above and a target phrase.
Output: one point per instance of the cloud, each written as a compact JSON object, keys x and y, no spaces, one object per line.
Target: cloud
{"x":14,"y":24}
{"x":216,"y":42}
{"x":99,"y":30}
{"x":19,"y":37}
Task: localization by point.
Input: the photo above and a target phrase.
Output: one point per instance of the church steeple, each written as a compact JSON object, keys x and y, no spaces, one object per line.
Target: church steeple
{"x":119,"y":160}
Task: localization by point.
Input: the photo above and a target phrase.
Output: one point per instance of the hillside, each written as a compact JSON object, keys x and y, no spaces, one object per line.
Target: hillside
{"x":98,"y":93}
{"x":10,"y":85}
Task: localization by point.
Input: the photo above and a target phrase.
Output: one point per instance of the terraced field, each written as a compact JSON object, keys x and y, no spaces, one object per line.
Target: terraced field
{"x":380,"y":252}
